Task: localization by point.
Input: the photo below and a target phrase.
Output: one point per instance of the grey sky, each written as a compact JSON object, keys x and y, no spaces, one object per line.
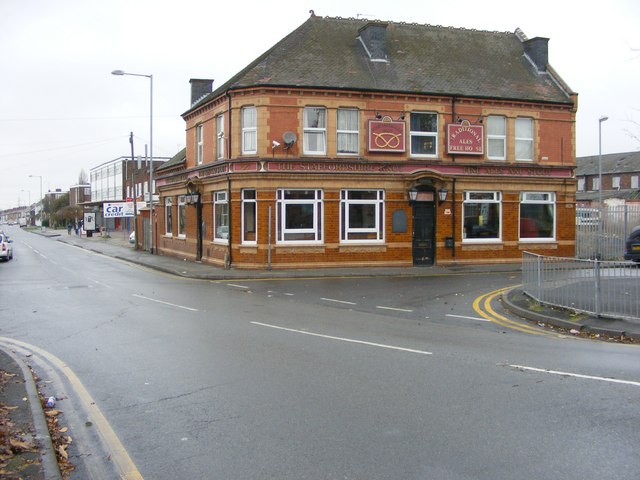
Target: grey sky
{"x":61,"y":110}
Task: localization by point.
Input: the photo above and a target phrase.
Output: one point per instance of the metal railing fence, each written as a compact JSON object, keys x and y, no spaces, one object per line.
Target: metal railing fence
{"x":617,"y":222}
{"x":604,"y":289}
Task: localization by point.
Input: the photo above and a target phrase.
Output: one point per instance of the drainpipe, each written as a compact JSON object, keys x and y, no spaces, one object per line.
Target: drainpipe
{"x":453,"y":218}
{"x":228,"y":257}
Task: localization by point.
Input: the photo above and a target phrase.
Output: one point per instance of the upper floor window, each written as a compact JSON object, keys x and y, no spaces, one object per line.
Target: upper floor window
{"x":315,"y":131}
{"x":199,"y":144}
{"x":595,"y":183}
{"x":249,"y":130}
{"x":220,"y":137}
{"x":424,"y":134}
{"x":496,"y":138}
{"x":581,"y":183}
{"x":615,"y":182}
{"x":634,"y":182}
{"x":524,"y":139}
{"x":347,"y":132}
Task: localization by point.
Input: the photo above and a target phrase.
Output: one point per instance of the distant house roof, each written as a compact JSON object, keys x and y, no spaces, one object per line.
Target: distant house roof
{"x":626,"y":162}
{"x":178,"y":159}
{"x":330,"y":53}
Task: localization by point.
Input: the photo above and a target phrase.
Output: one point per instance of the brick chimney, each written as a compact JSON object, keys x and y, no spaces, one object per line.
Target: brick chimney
{"x":200,"y":88}
{"x":537,"y":49}
{"x":373,"y":37}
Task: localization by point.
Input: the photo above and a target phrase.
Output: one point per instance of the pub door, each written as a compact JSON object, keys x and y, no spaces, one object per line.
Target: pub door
{"x":424,"y":220}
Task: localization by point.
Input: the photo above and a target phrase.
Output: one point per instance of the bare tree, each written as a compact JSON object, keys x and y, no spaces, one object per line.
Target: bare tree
{"x":83,"y":179}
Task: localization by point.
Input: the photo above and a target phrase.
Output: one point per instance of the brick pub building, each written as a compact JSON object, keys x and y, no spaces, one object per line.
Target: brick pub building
{"x":359,"y":143}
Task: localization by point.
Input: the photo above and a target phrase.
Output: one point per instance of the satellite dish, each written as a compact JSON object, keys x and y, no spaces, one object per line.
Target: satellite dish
{"x":289,"y":139}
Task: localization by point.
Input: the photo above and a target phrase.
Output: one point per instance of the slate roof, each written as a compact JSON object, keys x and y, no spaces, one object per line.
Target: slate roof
{"x":324,"y":52}
{"x":612,"y":163}
{"x":178,"y":159}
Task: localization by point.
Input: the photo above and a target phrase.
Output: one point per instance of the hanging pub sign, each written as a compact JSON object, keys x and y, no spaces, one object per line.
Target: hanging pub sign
{"x":386,"y":135}
{"x":465,"y":139}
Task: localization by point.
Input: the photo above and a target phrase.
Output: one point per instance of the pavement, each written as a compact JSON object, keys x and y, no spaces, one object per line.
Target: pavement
{"x":21,"y":391}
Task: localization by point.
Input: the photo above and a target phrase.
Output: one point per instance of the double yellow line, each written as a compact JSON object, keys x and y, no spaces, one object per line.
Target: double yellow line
{"x":482,"y":306}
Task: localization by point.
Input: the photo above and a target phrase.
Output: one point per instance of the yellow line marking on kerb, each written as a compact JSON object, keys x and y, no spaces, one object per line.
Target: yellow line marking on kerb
{"x":119,"y":455}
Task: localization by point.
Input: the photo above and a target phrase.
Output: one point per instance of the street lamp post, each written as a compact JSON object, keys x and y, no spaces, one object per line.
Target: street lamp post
{"x":41,"y":200}
{"x":602,"y":119}
{"x":150,"y":77}
{"x":29,"y":208}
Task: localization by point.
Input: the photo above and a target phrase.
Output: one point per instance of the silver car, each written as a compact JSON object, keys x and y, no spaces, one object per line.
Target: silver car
{"x":6,"y":247}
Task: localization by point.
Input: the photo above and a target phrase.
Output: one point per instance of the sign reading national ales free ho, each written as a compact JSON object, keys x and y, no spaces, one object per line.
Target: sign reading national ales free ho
{"x":465,"y":139}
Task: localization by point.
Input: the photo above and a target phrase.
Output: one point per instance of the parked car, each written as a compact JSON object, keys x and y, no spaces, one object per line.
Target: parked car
{"x":6,"y":247}
{"x":132,"y":237}
{"x":632,"y":245}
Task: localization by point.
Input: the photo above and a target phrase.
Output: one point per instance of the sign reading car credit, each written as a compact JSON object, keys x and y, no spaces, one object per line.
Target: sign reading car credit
{"x":117,"y":209}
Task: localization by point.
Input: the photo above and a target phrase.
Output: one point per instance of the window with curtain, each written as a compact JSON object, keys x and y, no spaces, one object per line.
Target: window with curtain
{"x":315,"y":131}
{"x":496,"y":137}
{"x":524,"y":139}
{"x":249,"y":130}
{"x":537,"y":215}
{"x":347,"y":132}
{"x":220,"y":137}
{"x":199,"y":144}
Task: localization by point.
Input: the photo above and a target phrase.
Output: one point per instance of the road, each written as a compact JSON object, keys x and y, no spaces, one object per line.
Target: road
{"x":368,"y":378}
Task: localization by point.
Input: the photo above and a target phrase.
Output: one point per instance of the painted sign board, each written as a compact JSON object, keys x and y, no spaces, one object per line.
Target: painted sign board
{"x":117,"y":209}
{"x":386,"y":136}
{"x":465,"y":139}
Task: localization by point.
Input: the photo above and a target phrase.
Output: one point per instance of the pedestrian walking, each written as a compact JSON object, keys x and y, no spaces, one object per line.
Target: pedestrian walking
{"x":69,"y":227}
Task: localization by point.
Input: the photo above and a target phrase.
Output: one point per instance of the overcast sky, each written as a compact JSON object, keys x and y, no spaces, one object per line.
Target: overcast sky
{"x":62,"y":111}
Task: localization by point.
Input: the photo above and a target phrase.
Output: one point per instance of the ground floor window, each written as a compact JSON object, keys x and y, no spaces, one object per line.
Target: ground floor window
{"x":220,"y":216}
{"x":168,"y":216}
{"x":481,"y":216}
{"x":299,"y":216}
{"x":362,"y":215}
{"x":537,"y":215}
{"x":182,"y":216}
{"x":249,"y":217}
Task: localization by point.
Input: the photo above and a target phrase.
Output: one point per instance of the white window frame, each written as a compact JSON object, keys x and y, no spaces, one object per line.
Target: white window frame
{"x":317,"y":228}
{"x":491,"y":197}
{"x":182,"y":217}
{"x":434,"y":135}
{"x":537,"y":198}
{"x":319,"y":131}
{"x":581,"y":184}
{"x":350,"y":234}
{"x":220,"y":215}
{"x":615,"y":182}
{"x":524,"y":138}
{"x":497,"y":137}
{"x":249,"y":117}
{"x":220,"y":140}
{"x":635,"y":181}
{"x":168,"y":216}
{"x":342,"y":135}
{"x":199,"y":144}
{"x":595,"y":184}
{"x":247,"y":200}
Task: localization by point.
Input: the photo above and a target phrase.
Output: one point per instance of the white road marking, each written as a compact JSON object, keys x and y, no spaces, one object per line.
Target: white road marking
{"x":394,"y":309}
{"x":100,"y":283}
{"x":342,"y":339}
{"x":337,"y":301}
{"x":576,"y":375}
{"x":236,"y":286}
{"x":468,"y":318}
{"x":165,"y":303}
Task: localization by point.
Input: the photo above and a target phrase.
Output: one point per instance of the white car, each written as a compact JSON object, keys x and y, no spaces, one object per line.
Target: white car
{"x":132,"y":237}
{"x":6,"y":247}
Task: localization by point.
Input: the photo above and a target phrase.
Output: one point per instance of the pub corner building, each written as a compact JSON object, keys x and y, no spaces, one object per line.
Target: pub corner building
{"x":356,"y":143}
